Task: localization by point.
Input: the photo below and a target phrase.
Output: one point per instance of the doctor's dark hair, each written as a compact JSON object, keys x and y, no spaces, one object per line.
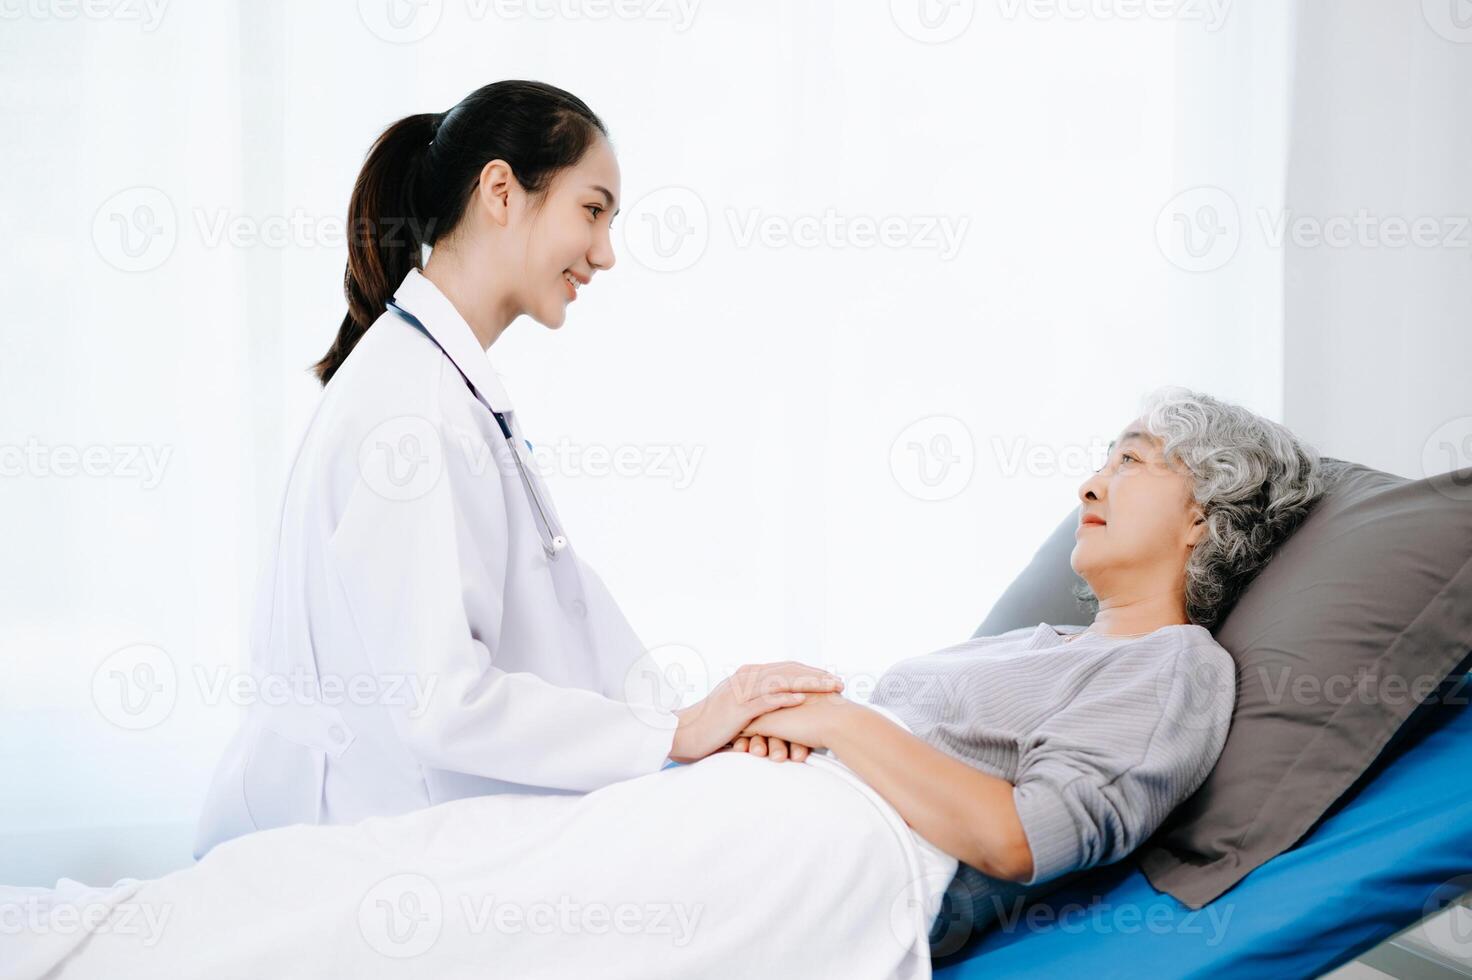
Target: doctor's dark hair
{"x":419,"y":176}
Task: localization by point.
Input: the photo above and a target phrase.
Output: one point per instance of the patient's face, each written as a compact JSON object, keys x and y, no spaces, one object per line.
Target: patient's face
{"x":1150,"y":520}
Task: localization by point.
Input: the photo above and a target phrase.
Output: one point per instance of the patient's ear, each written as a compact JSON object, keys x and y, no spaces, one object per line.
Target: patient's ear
{"x":1197,"y":530}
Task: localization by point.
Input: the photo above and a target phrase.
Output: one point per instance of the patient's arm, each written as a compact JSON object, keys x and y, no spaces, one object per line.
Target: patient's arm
{"x":965,"y":812}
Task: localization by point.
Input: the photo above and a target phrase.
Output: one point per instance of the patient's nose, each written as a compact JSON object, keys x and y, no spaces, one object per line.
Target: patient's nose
{"x":1092,"y":489}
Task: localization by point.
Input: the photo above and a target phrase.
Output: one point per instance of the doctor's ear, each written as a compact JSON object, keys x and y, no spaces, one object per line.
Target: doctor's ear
{"x":494,"y":189}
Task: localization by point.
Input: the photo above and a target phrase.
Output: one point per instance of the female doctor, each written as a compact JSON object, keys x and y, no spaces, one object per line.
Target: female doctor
{"x":426,"y":631}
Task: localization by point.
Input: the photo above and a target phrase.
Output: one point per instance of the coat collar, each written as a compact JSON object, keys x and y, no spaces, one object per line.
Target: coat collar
{"x":419,"y":296}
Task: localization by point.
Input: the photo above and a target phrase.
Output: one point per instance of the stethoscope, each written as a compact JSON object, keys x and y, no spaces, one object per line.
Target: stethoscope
{"x":554,"y":542}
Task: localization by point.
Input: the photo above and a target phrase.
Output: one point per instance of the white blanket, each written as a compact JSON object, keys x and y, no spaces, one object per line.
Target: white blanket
{"x":734,"y":866}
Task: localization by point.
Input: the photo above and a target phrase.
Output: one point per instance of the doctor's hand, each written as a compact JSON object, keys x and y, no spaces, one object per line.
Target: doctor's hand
{"x":755,"y":689}
{"x":809,"y":724}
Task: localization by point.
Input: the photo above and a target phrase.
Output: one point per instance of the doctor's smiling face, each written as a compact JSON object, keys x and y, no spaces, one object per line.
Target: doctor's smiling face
{"x":513,"y":190}
{"x":530,"y":253}
{"x":566,"y":235}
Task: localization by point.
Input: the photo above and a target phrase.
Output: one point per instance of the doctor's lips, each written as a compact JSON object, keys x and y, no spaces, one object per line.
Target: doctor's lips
{"x":574,"y":283}
{"x":1090,"y":520}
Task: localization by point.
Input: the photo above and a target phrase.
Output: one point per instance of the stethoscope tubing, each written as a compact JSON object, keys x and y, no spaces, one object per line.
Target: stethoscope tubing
{"x":553,"y":542}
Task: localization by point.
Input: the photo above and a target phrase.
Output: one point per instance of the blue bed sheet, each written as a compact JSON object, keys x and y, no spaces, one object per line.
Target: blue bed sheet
{"x":1398,"y":849}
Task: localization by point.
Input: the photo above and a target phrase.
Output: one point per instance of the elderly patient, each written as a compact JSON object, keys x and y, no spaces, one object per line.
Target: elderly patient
{"x":1048,"y":750}
{"x":1014,"y":760}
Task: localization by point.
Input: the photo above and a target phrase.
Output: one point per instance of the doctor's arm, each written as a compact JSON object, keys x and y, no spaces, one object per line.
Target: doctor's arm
{"x":423,"y":571}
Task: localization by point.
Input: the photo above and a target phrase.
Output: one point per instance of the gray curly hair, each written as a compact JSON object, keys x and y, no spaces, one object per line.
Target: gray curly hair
{"x":1255,"y":481}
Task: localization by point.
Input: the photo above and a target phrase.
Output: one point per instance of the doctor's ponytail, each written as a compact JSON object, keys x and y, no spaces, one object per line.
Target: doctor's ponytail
{"x":420,"y":174}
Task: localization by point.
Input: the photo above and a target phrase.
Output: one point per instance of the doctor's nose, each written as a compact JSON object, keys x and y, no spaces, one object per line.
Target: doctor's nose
{"x":601,"y":255}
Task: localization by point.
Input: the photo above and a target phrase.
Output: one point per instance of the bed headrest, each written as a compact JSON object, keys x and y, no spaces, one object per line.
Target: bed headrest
{"x":1349,"y":629}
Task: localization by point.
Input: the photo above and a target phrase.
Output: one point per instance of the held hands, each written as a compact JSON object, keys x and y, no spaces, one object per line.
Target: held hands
{"x":776,"y":749}
{"x":752,"y":692}
{"x":790,"y":732}
{"x":795,"y":730}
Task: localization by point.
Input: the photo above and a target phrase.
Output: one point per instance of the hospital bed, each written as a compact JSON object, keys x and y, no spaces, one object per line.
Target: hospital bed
{"x":1393,"y":850}
{"x":1398,"y":850}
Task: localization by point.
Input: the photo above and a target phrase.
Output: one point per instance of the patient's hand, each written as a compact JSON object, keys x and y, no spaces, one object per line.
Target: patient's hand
{"x":776,"y":749}
{"x":753,"y":690}
{"x":808,"y":724}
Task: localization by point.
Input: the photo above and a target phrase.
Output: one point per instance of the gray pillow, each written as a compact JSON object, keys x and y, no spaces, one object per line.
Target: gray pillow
{"x":1351,"y":626}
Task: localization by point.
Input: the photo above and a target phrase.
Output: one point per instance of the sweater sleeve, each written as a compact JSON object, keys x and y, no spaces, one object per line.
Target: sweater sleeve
{"x":1099,"y":776}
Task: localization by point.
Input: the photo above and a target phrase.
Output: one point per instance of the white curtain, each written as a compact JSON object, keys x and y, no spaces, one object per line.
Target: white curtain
{"x":889,"y":278}
{"x":1378,"y":242}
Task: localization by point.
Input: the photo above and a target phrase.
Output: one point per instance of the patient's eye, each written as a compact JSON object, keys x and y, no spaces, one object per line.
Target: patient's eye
{"x":1129,"y":457}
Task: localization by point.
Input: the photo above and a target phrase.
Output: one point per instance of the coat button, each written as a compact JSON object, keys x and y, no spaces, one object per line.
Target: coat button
{"x":336,"y":734}
{"x":579,"y":608}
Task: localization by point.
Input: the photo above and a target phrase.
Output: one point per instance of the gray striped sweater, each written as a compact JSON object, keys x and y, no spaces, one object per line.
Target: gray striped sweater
{"x":1101,"y":737}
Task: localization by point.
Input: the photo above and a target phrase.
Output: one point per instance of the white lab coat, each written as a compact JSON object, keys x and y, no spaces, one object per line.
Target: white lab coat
{"x":412,"y":642}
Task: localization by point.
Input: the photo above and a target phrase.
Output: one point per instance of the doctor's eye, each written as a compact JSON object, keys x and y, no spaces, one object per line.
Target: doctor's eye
{"x":595,"y":209}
